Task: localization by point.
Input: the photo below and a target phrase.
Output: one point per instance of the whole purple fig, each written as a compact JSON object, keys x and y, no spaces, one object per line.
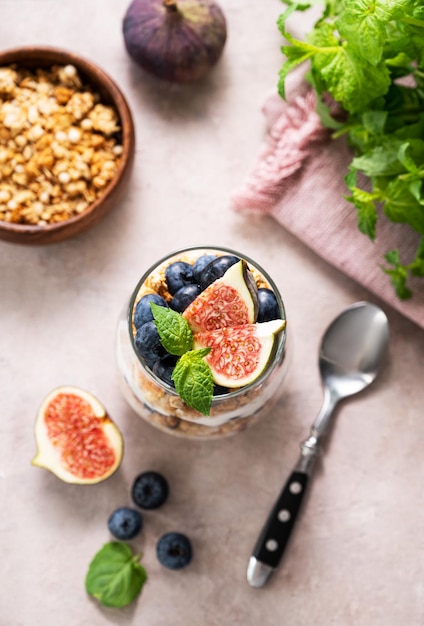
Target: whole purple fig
{"x":177,"y":40}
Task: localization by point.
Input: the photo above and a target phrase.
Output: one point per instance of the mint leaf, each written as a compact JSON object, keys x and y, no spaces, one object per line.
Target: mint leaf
{"x":398,"y":275}
{"x":411,"y":155}
{"x":296,"y":53}
{"x":194,"y":381}
{"x":326,"y":118}
{"x":351,"y":177}
{"x":281,"y":21}
{"x":417,"y":266}
{"x":115,"y":576}
{"x":401,"y":206}
{"x":295,"y":57}
{"x":367,"y":41}
{"x":416,"y":189}
{"x":406,"y":159}
{"x":192,"y":375}
{"x":374,"y":121}
{"x":352,"y":81}
{"x":366,"y":211}
{"x":299,"y":6}
{"x":363,"y":25}
{"x":381,"y":161}
{"x":174,"y":330}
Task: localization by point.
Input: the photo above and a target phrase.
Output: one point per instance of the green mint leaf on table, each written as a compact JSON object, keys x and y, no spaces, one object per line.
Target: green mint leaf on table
{"x":193,"y":380}
{"x":174,"y":330}
{"x":115,"y":576}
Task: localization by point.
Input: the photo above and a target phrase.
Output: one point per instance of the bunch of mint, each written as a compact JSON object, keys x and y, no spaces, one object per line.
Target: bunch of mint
{"x":368,"y":57}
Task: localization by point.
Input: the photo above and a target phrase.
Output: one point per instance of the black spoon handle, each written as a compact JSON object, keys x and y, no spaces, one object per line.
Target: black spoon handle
{"x":276,"y":532}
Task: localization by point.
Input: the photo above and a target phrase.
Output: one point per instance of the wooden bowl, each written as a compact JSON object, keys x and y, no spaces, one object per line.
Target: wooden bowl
{"x":111,"y":95}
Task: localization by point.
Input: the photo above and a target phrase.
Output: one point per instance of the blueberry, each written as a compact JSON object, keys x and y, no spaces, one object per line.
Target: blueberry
{"x":174,"y":550}
{"x":200,"y":265}
{"x":125,"y":523}
{"x":218,"y":390}
{"x":268,"y":306}
{"x":178,"y":275}
{"x":164,"y":367}
{"x":149,"y":490}
{"x":184,"y":297}
{"x":148,"y":343}
{"x":143,"y":312}
{"x":216,"y":269}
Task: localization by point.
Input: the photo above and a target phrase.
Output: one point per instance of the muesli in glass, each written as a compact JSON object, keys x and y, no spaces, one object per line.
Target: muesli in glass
{"x":236,"y":323}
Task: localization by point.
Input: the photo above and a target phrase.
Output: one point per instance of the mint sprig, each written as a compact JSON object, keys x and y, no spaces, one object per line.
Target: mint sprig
{"x":192,"y":375}
{"x":174,"y":330}
{"x":193,"y":380}
{"x":115,"y":577}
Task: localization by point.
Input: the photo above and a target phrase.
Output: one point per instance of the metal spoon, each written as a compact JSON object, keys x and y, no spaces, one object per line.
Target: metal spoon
{"x":351,"y":355}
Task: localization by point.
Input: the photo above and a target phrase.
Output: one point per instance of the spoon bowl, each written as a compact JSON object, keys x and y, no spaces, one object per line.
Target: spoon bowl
{"x":353,"y":349}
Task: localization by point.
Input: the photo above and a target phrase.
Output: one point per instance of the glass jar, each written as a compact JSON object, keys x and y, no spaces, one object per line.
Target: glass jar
{"x":158,"y":402}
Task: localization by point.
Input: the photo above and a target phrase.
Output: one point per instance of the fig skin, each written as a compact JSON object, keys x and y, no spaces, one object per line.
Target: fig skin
{"x":176,"y":40}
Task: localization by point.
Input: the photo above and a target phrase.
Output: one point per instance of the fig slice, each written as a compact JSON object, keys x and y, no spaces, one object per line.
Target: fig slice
{"x":231,"y":300}
{"x":76,"y":439}
{"x":239,"y":354}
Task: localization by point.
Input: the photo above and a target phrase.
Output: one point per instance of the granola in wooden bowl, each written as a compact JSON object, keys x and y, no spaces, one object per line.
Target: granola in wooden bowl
{"x":66,"y":145}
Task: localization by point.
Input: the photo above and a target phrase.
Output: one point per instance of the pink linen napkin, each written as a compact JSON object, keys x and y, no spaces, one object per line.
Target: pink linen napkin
{"x":298,"y":178}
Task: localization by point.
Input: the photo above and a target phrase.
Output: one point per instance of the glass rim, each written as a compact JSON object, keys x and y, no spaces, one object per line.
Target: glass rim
{"x":276,"y":354}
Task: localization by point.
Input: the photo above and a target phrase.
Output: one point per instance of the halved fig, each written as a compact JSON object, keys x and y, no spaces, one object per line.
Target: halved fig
{"x":239,"y":354}
{"x":76,"y":439}
{"x":231,"y":300}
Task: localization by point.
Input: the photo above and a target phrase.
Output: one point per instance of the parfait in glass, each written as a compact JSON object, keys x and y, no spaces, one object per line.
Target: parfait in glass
{"x":201,"y":344}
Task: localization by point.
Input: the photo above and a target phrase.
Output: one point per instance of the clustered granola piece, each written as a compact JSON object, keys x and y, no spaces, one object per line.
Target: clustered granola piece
{"x":58,"y":146}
